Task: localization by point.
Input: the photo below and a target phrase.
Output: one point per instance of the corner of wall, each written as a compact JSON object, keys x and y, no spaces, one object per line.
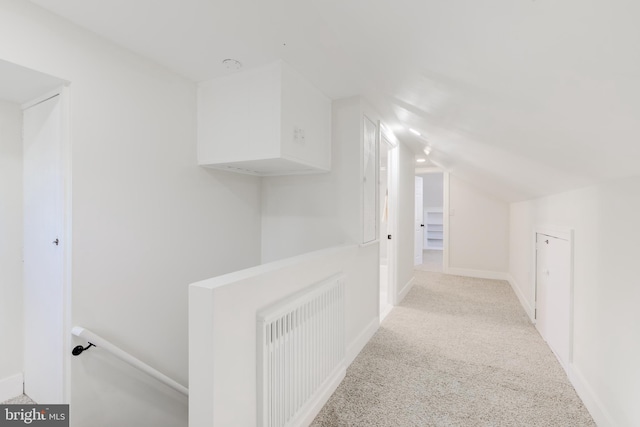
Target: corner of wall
{"x":361,"y":340}
{"x":523,"y":301}
{"x":594,"y":405}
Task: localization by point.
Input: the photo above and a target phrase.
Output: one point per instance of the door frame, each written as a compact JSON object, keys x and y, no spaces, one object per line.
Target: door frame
{"x":66,"y":235}
{"x":418,"y":218}
{"x":564,"y":234}
{"x":445,"y":211}
{"x":392,"y":144}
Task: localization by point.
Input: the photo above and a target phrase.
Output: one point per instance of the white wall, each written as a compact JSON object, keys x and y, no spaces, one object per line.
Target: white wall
{"x":305,"y":213}
{"x":301,"y":214}
{"x":10,"y":241}
{"x":147,"y":221}
{"x":606,"y":292}
{"x":432,"y":191}
{"x":384,"y":223}
{"x":406,"y":235}
{"x":223,"y":359}
{"x":478,"y":231}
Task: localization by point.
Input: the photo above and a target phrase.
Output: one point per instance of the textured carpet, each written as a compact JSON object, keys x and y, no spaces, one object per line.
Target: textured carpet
{"x":20,"y":400}
{"x":456,"y":352}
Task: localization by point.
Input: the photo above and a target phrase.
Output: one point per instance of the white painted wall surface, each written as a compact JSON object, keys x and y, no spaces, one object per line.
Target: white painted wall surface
{"x":606,"y":292}
{"x":406,"y":234}
{"x":478,"y":231}
{"x":10,"y":240}
{"x":147,"y":221}
{"x":432,"y":194}
{"x":223,"y":325}
{"x":310,"y":212}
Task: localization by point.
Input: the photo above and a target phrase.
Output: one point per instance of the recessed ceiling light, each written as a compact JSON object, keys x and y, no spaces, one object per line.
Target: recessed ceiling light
{"x":232,"y":64}
{"x":427,"y":150}
{"x":421,"y":160}
{"x":415,"y":132}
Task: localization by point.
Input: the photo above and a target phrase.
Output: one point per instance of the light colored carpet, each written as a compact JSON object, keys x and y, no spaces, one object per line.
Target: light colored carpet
{"x":456,"y":352}
{"x":20,"y":400}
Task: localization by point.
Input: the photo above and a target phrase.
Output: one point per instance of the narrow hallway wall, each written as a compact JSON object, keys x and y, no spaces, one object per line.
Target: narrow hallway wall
{"x":406,"y":202}
{"x":606,"y":292}
{"x":478,"y":232}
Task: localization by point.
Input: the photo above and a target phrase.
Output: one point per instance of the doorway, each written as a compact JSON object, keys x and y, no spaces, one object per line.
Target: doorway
{"x":433,"y":219}
{"x":34,"y":358}
{"x":554,"y":292}
{"x":388,"y":179}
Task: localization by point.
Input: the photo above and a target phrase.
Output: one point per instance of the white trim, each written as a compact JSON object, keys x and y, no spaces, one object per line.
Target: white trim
{"x":385,"y":312}
{"x":361,"y":340}
{"x":523,"y":301}
{"x":44,"y":97}
{"x":65,"y":103}
{"x":405,"y":290}
{"x":321,"y":399}
{"x":594,"y":405}
{"x":564,"y":234}
{"x":479,"y":274}
{"x":429,"y":169}
{"x":445,"y":222}
{"x":11,"y":387}
{"x":392,"y":229}
{"x":553,"y":231}
{"x":370,"y":243}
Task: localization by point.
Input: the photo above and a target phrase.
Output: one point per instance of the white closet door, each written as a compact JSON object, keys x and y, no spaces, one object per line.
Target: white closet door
{"x":553,"y":294}
{"x":43,"y":252}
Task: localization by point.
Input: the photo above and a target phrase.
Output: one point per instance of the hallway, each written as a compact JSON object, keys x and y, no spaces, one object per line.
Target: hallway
{"x":456,"y":352}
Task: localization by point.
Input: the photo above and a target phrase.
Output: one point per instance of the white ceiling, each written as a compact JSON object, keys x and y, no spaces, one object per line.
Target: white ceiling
{"x":522,"y":97}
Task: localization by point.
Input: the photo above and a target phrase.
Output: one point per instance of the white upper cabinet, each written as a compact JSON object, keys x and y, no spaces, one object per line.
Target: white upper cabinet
{"x":264,"y":121}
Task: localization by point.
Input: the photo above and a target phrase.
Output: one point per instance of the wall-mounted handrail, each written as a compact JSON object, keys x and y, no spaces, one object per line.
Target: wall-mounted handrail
{"x":100,"y":342}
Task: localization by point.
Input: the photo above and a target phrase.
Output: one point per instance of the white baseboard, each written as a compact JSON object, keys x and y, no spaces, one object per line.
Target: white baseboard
{"x":479,"y":274}
{"x":385,"y":312}
{"x":358,"y":344}
{"x":308,"y":415}
{"x":523,"y":301}
{"x":405,"y":290}
{"x":594,"y":405}
{"x":11,"y":387}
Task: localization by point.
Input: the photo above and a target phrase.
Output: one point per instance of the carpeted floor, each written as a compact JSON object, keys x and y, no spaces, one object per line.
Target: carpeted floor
{"x":20,"y":400}
{"x":456,"y":352}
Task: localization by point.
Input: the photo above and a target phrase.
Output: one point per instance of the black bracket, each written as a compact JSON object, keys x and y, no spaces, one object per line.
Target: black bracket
{"x":77,"y":350}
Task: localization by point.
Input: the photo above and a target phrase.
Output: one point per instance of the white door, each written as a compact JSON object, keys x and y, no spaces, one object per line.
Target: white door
{"x":419,"y":222}
{"x":43,"y":252}
{"x":553,"y":294}
{"x":388,"y":196}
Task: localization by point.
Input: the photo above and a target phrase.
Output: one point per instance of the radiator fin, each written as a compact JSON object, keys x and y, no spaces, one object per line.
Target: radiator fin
{"x":301,"y":346}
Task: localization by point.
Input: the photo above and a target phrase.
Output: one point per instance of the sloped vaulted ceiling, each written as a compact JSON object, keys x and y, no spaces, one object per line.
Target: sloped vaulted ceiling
{"x":523,"y":97}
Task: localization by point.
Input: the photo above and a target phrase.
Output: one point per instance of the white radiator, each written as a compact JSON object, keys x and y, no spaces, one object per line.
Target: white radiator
{"x":301,"y":352}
